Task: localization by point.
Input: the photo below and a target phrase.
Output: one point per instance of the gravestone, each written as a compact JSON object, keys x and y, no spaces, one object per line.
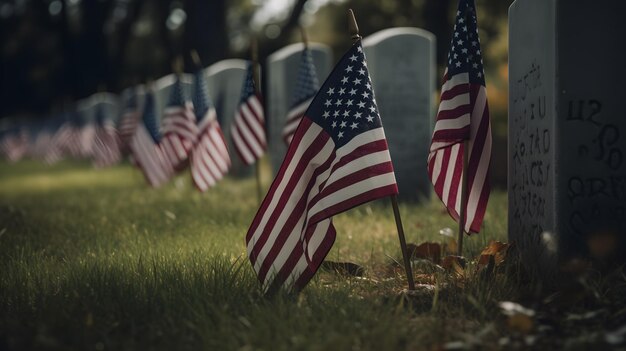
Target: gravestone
{"x":282,"y":71}
{"x":225,"y":80}
{"x":402,"y":65}
{"x":163,"y":90}
{"x":110,"y":105}
{"x":567,"y":131}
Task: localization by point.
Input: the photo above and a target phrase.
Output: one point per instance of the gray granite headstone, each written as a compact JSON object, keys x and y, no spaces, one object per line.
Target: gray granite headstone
{"x":163,"y":89}
{"x":282,"y":71}
{"x":567,"y":129}
{"x":110,"y":104}
{"x":224,"y":81}
{"x":402,"y":65}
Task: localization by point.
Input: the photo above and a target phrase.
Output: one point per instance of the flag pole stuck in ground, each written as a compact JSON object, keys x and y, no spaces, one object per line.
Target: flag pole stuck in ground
{"x":460,"y":151}
{"x":254,"y":48}
{"x":354,"y":32}
{"x":210,"y":160}
{"x":338,"y":159}
{"x":247,"y":131}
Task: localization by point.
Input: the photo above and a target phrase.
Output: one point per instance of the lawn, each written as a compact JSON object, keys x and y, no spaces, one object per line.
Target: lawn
{"x":96,"y":260}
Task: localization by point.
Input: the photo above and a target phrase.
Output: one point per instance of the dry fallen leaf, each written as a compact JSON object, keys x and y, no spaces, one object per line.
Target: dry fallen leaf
{"x":520,"y":323}
{"x":602,"y":245}
{"x":428,"y":250}
{"x":498,"y":249}
{"x":454,"y":264}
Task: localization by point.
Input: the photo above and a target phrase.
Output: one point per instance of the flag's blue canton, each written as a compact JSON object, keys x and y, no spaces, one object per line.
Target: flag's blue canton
{"x":345,"y":105}
{"x":177,"y":97}
{"x":307,"y":83}
{"x":248,"y":84}
{"x":100,"y":115}
{"x":465,"y":55}
{"x":201,"y":100}
{"x":149,"y":118}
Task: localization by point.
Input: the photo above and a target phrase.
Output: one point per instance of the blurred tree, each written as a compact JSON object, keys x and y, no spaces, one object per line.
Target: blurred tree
{"x":55,"y":50}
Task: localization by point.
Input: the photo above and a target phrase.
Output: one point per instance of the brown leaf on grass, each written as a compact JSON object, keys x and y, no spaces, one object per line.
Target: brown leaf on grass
{"x":344,"y":268}
{"x":602,"y":245}
{"x":520,"y":318}
{"x":497,"y":249}
{"x":521,"y":323}
{"x":428,"y":251}
{"x":454,"y":264}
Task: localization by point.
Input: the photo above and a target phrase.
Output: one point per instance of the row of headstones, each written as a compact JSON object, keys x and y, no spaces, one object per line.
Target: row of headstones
{"x":402,"y":64}
{"x":567,"y":132}
{"x":567,"y":129}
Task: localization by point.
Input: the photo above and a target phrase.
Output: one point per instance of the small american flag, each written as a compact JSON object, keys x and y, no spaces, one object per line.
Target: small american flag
{"x":248,"y":129}
{"x":129,"y":121}
{"x":338,"y":159}
{"x":146,"y":150}
{"x":85,"y":134}
{"x":180,"y":131}
{"x":106,"y":143}
{"x":69,"y":139}
{"x":14,"y":145}
{"x":463,"y":115}
{"x":209,"y":159}
{"x":42,"y":147}
{"x":306,"y":88}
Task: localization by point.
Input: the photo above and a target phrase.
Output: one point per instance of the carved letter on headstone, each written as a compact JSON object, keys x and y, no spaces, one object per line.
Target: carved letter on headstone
{"x":567,"y":131}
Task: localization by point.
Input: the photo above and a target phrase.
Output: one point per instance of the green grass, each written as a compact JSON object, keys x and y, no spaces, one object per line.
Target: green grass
{"x":95,"y":260}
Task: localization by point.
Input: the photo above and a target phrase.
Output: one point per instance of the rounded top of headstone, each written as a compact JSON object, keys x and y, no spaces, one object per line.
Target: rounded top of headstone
{"x":385,"y":34}
{"x":106,"y":97}
{"x":95,"y":99}
{"x":226,"y":65}
{"x":169,"y":79}
{"x":296,"y":48}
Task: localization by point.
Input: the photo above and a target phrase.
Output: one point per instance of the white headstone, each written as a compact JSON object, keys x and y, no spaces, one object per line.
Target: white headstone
{"x":282,"y":70}
{"x":225,"y":81}
{"x":163,"y":90}
{"x":567,"y":129}
{"x":402,"y":65}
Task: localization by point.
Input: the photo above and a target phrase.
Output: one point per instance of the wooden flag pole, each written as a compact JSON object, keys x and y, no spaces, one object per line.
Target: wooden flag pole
{"x":254,"y":53}
{"x":305,"y":38}
{"x":354,"y":31}
{"x":177,"y":65}
{"x":403,"y":248}
{"x":462,"y":210}
{"x":196,"y":58}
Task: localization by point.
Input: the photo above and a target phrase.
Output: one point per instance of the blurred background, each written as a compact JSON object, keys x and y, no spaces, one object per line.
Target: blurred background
{"x":54,"y":52}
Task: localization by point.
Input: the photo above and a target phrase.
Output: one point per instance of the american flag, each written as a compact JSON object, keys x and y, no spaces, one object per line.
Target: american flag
{"x":41,"y":147}
{"x":306,"y":88}
{"x":338,"y":159}
{"x":209,"y":159}
{"x":85,"y":132}
{"x":14,"y":145}
{"x":248,"y":129}
{"x":145,"y":148}
{"x":463,"y":116}
{"x":106,"y":143}
{"x":180,"y":131}
{"x":129,"y":121}
{"x":62,"y":139}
